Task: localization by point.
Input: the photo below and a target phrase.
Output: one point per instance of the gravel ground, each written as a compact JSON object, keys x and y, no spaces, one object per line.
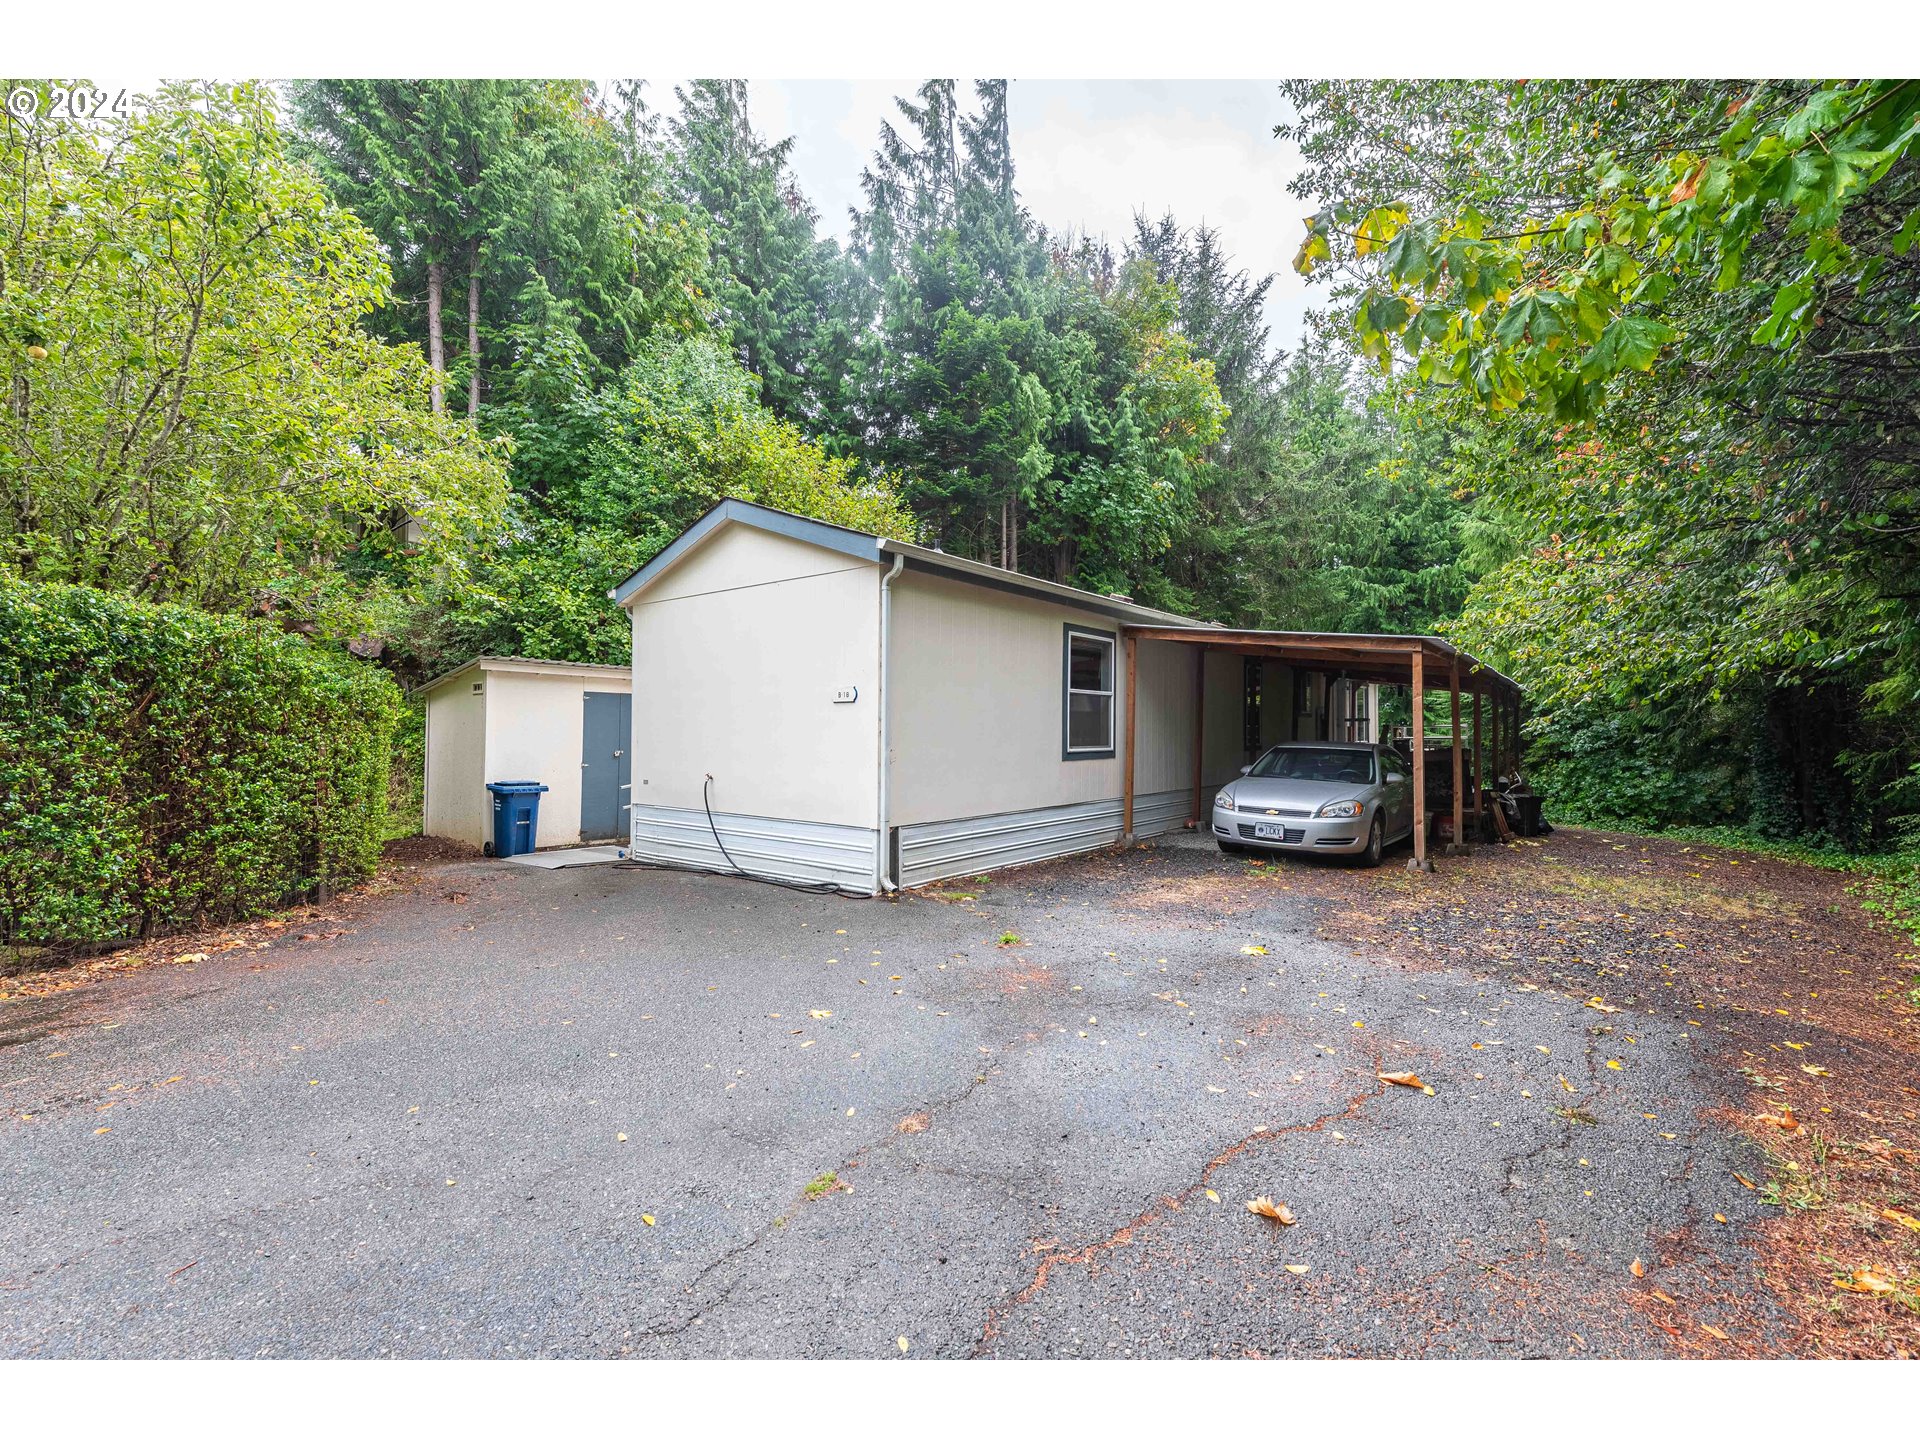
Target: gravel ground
{"x":501,"y":1111}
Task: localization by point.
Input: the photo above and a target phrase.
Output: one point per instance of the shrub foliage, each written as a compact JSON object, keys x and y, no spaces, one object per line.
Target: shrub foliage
{"x":160,"y":766}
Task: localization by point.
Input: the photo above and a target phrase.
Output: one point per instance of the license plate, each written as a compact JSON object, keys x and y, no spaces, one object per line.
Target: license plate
{"x":1268,"y":832}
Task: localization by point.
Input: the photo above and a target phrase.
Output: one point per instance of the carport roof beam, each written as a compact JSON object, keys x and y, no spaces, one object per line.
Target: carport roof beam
{"x":1386,"y":658}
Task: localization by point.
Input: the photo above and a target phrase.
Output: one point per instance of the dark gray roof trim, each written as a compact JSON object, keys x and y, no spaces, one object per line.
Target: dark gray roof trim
{"x":1016,"y":584}
{"x":744,"y":512}
{"x":863,"y":546}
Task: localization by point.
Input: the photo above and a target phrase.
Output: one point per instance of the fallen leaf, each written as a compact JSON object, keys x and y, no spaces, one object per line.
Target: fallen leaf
{"x":1253,"y":949}
{"x":821,"y":1014}
{"x":1403,"y":1077}
{"x":1298,"y":1269}
{"x":1662,"y":1295}
{"x":1751,"y":1186}
{"x":1596,"y":1003}
{"x":648,"y":1219}
{"x":1900,"y":1217}
{"x":901,"y":1341}
{"x":1783,"y":1121}
{"x":1639,"y":1270}
{"x":1263,"y":1205}
{"x":1715,"y":1331}
{"x":1869,"y":1280}
{"x":1816,"y":1070}
{"x":1211,"y":1195}
{"x":103,"y":1130}
{"x":620,"y":1138}
{"x":1721,"y":1218}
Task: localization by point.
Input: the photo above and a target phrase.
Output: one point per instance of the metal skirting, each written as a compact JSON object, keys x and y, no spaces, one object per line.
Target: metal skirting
{"x":761,"y":845}
{"x":945,"y":848}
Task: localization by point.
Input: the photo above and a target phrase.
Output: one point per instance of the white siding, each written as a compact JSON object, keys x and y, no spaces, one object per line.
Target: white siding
{"x":534,"y":733}
{"x":977,"y":696}
{"x":520,"y":725}
{"x":739,"y":650}
{"x":977,"y":727}
{"x":1163,"y":718}
{"x":455,"y":807}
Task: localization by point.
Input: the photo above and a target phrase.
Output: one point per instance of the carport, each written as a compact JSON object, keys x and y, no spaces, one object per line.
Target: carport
{"x":1404,"y":660}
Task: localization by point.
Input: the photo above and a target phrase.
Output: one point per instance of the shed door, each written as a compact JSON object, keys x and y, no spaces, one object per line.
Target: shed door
{"x":605,"y":766}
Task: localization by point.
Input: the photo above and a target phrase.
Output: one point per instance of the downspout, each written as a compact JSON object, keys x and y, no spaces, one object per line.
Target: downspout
{"x":882,"y":880}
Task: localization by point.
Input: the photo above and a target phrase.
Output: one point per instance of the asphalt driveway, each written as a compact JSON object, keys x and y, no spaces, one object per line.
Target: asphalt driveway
{"x":581,"y":1112}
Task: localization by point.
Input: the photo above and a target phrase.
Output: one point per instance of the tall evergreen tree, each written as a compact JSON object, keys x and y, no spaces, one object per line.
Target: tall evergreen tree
{"x":773,"y":284}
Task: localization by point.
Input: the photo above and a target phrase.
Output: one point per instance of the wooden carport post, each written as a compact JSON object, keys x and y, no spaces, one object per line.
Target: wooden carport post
{"x":1419,"y":860}
{"x":1478,"y":779}
{"x":1459,"y":843}
{"x":1126,"y":784}
{"x":1494,"y":707}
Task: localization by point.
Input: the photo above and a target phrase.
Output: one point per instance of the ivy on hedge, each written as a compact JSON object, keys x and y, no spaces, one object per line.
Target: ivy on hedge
{"x":161,"y":766}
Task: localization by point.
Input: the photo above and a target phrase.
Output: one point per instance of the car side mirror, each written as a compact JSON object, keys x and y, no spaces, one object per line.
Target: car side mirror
{"x":1246,"y":769}
{"x":1394,"y":777}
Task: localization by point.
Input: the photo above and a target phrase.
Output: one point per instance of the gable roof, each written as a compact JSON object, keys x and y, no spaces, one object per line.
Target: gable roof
{"x":526,"y":665}
{"x":856,"y":543}
{"x":879,"y":550}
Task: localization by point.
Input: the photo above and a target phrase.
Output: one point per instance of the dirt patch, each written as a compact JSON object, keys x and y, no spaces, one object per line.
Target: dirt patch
{"x":1028,"y":975}
{"x":426,"y":850}
{"x":1801,"y":995}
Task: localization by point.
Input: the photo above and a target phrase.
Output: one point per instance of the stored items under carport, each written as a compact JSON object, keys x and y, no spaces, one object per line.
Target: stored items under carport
{"x":516,"y":816}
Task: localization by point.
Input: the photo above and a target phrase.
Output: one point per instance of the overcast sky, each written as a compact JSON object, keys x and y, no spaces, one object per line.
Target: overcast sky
{"x":1089,"y":153}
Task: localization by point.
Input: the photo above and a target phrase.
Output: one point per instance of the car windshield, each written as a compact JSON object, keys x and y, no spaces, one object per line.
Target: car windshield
{"x":1349,"y":767}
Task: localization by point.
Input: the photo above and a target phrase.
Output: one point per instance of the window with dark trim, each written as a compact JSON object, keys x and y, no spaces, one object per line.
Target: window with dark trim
{"x":1087,"y":701}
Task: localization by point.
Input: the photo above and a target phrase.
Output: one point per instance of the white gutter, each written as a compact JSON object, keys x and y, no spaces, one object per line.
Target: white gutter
{"x":881,"y":880}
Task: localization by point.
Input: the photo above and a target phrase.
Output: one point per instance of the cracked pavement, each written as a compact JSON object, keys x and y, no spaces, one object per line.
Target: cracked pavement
{"x":407,"y":1139}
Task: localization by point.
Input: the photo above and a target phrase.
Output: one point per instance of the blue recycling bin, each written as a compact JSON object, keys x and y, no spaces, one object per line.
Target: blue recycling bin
{"x":516,"y":815}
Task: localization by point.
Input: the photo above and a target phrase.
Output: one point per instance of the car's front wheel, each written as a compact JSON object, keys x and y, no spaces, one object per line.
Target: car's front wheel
{"x":1227,"y":847}
{"x":1376,"y":843}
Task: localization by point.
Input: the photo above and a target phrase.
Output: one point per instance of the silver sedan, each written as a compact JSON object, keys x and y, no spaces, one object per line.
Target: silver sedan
{"x":1320,"y":796}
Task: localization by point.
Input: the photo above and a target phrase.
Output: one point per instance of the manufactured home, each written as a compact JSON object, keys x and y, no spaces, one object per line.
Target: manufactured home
{"x":812,"y":703}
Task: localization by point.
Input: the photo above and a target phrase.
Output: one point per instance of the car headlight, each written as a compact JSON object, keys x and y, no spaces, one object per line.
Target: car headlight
{"x":1342,"y":809}
{"x":1223,"y":801}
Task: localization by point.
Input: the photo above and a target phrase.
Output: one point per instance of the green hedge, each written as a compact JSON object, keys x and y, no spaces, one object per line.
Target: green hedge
{"x":161,"y":766}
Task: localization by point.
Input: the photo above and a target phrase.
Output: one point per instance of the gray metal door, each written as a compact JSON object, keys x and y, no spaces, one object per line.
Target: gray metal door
{"x":606,"y":769}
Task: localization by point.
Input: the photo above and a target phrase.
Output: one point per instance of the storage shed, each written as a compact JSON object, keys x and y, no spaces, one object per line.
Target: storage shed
{"x":508,"y":718}
{"x":826,"y":705}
